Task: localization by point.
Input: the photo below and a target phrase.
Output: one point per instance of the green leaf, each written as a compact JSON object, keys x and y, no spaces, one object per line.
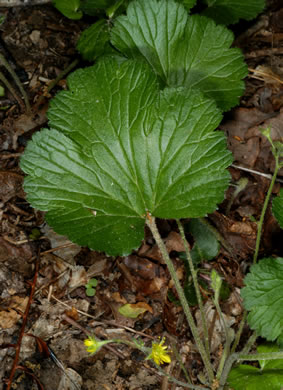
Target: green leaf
{"x":91,"y":283}
{"x":268,"y":377}
{"x":263,"y":296}
{"x":216,"y":283}
{"x":69,"y":8}
{"x":270,"y":364}
{"x":119,"y":148}
{"x":231,"y":11}
{"x":95,"y":41}
{"x":277,"y":208}
{"x":91,"y":7}
{"x":188,"y":4}
{"x":245,"y":377}
{"x":206,"y":245}
{"x":90,"y":292}
{"x":189,"y":51}
{"x":2,"y":91}
{"x":130,"y":310}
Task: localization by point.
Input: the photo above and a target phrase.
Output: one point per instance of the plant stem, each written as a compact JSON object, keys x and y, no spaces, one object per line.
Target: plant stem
{"x":17,"y":81}
{"x":239,"y":333}
{"x":196,"y":286}
{"x":145,"y":350}
{"x":225,"y":353}
{"x":249,"y":343}
{"x":179,"y":359}
{"x":150,"y":221}
{"x":174,"y":380}
{"x":266,"y":201}
{"x":232,"y":358}
{"x":260,"y":356}
{"x":9,"y":86}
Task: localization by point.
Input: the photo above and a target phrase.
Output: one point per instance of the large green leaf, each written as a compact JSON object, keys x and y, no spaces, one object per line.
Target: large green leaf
{"x":119,"y":148}
{"x":189,"y":51}
{"x":268,"y":377}
{"x":277,"y":208}
{"x":263,"y":297}
{"x":230,"y":11}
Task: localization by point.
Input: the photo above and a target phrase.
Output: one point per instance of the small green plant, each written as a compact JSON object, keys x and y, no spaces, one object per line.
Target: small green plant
{"x":133,"y":139}
{"x":90,"y":287}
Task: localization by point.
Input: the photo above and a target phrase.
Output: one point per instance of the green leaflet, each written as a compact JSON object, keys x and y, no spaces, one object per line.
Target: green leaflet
{"x":69,"y":8}
{"x":183,"y":50}
{"x":263,"y":297}
{"x":119,"y":148}
{"x":230,"y":11}
{"x":277,"y":208}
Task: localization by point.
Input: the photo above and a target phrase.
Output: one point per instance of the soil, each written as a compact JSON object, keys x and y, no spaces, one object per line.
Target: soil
{"x":39,"y":44}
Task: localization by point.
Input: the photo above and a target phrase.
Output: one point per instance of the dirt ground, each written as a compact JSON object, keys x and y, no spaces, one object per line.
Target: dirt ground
{"x":39,"y":44}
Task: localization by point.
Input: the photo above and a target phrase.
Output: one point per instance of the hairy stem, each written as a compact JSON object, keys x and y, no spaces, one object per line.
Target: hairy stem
{"x":239,"y":333}
{"x":150,"y":221}
{"x":225,"y":353}
{"x":179,"y":359}
{"x":196,"y":286}
{"x":266,"y":201}
{"x":232,"y":358}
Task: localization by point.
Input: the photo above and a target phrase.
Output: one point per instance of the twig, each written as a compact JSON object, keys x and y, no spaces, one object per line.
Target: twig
{"x":266,"y":175}
{"x":22,"y":331}
{"x":58,"y":78}
{"x":22,"y":3}
{"x":17,"y":81}
{"x":111,"y":323}
{"x":9,"y":86}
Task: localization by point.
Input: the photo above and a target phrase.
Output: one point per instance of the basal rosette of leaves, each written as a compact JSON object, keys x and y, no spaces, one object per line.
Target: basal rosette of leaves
{"x":184,"y":50}
{"x":263,"y":296}
{"x":119,"y":147}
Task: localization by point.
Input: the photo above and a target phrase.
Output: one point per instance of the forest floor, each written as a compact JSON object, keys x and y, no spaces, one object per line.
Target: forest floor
{"x":39,"y":43}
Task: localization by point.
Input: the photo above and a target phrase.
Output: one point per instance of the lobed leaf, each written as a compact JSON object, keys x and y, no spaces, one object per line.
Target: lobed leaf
{"x":189,"y":51}
{"x":231,"y":11}
{"x":263,"y":296}
{"x":120,"y":147}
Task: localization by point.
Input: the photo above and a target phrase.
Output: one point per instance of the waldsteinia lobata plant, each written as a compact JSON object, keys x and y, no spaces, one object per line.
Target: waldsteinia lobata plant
{"x":133,"y":138}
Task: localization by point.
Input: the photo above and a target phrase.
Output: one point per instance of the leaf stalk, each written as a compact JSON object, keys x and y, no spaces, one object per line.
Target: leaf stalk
{"x":150,"y":221}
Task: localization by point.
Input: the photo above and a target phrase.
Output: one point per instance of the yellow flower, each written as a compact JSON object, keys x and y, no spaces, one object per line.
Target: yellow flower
{"x":93,"y":345}
{"x":158,"y":353}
